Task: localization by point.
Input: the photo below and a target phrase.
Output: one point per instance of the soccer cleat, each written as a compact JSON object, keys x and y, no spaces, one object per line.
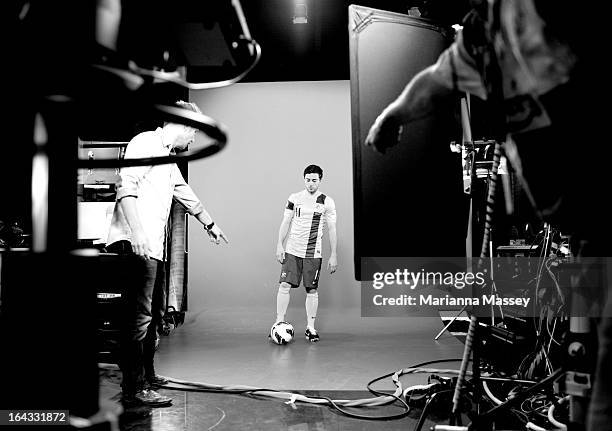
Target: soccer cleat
{"x":312,"y":336}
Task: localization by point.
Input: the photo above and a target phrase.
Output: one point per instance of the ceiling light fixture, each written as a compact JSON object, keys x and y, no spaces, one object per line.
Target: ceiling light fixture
{"x":300,"y":12}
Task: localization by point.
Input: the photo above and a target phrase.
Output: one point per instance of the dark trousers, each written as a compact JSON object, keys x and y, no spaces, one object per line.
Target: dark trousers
{"x":144,"y":307}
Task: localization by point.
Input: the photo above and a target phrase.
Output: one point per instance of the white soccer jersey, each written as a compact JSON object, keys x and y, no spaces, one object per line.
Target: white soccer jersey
{"x":310,"y":214}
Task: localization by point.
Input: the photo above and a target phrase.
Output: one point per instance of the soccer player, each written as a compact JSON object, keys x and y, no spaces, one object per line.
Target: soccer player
{"x":305,"y":217}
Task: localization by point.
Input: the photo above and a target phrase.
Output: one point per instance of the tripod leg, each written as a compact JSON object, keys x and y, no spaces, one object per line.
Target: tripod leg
{"x":451,"y":322}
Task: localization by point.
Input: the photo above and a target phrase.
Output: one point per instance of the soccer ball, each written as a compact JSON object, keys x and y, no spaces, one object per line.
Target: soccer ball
{"x":281,"y":332}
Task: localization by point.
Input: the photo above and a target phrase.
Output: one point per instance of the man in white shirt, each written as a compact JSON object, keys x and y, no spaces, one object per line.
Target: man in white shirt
{"x":138,"y":227}
{"x":304,"y":219}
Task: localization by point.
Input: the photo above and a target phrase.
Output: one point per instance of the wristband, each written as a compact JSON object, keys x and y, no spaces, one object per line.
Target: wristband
{"x":209,"y":226}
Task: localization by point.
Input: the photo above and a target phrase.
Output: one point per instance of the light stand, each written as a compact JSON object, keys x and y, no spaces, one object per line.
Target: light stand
{"x":468,"y":169}
{"x":472,"y":339}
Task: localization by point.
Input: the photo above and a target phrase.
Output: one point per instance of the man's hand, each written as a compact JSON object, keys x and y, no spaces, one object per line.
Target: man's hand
{"x":385,"y":132}
{"x":216,"y":234}
{"x":280,"y":253}
{"x":332,"y":264}
{"x":140,"y":244}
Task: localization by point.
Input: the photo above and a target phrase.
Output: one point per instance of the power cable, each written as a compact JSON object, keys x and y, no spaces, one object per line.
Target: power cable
{"x":551,"y":417}
{"x":293,"y":397}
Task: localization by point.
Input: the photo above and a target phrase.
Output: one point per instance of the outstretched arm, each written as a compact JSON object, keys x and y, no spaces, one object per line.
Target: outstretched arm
{"x":215,"y":233}
{"x":186,"y":197}
{"x":419,"y":99}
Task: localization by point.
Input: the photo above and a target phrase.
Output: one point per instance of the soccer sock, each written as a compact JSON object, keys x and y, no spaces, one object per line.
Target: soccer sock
{"x":282,"y":302}
{"x":312,"y":304}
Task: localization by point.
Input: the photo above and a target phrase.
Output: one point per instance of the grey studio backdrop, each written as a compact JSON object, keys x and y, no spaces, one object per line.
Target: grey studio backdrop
{"x":275,"y":129}
{"x":407,"y":203}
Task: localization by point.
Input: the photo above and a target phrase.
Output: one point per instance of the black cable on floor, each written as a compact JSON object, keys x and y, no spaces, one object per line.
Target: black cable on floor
{"x":421,"y":421}
{"x":335,"y":404}
{"x":422,"y":364}
{"x":198,"y":387}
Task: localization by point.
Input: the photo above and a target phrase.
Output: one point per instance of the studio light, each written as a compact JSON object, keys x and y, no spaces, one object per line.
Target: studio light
{"x":300,"y":12}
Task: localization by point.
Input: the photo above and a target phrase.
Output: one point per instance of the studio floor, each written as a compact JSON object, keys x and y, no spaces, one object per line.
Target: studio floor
{"x":229,"y":347}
